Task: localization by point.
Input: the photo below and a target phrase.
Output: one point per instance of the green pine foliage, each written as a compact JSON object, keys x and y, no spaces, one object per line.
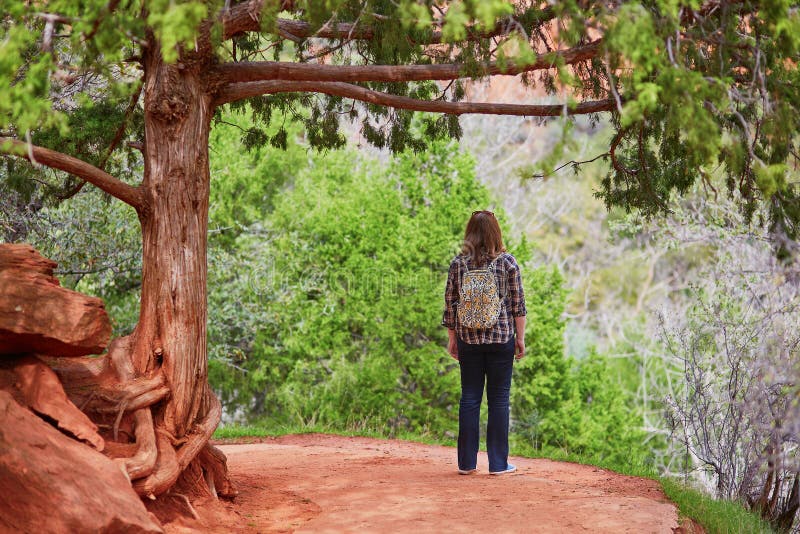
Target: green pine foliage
{"x":595,"y":418}
{"x":573,"y":406}
{"x":540,"y":380}
{"x":696,"y":103}
{"x":352,"y":264}
{"x":246,"y":178}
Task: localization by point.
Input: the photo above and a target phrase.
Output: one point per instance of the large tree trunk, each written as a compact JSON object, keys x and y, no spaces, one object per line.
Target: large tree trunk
{"x":170,"y":338}
{"x":172,"y":324}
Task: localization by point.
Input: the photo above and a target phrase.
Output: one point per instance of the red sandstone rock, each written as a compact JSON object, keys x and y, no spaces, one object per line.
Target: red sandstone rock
{"x":51,"y":483}
{"x":43,"y":394}
{"x":37,"y":315}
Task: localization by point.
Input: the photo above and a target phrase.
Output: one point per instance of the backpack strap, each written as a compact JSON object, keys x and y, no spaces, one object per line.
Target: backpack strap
{"x":493,"y":262}
{"x":465,"y":261}
{"x":491,"y":267}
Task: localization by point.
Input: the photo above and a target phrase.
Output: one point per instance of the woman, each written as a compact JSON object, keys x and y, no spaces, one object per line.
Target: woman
{"x":485,"y":353}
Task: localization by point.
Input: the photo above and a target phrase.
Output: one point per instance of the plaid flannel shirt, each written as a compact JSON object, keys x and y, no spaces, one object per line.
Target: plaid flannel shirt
{"x":509,"y":283}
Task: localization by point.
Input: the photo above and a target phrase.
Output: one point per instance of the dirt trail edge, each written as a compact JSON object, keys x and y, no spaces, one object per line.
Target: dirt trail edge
{"x":322,"y":483}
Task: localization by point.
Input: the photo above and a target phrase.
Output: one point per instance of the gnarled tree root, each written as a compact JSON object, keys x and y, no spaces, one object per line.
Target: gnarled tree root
{"x":145,"y":460}
{"x":215,"y":467}
{"x":164,"y":474}
{"x":169,"y":468}
{"x":132,"y":394}
{"x":157,"y":462}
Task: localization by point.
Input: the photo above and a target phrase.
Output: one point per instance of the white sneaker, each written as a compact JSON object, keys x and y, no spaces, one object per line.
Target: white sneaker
{"x":509,"y":469}
{"x":467,"y":471}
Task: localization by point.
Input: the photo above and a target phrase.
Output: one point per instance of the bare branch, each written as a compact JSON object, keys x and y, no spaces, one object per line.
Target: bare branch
{"x":573,"y":162}
{"x":613,"y":153}
{"x":127,"y":193}
{"x":241,"y":91}
{"x":276,"y":70}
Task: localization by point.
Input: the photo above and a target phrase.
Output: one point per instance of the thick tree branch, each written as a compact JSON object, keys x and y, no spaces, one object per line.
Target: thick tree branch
{"x":127,"y":193}
{"x":241,"y":91}
{"x":275,"y":70}
{"x":245,"y":17}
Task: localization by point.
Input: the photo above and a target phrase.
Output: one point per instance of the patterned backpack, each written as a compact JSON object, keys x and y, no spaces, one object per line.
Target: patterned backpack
{"x":479,"y":303}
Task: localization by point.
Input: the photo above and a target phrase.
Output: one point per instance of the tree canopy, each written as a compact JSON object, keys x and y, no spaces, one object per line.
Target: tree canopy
{"x":689,"y":86}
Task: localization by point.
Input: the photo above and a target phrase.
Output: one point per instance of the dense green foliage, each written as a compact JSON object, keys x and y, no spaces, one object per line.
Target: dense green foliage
{"x":347,"y":286}
{"x":326,"y":312}
{"x":722,"y":91}
{"x":569,"y":404}
{"x":346,"y":278}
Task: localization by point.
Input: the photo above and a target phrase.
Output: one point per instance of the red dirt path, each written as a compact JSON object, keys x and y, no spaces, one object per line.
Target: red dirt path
{"x":321,"y":483}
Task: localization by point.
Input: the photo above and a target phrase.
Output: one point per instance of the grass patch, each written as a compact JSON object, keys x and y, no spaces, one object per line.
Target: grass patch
{"x":723,"y":517}
{"x":717,"y":517}
{"x":261,"y":431}
{"x":245,"y":431}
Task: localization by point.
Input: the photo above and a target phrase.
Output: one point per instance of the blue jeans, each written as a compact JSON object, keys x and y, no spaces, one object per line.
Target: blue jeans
{"x":491,"y":363}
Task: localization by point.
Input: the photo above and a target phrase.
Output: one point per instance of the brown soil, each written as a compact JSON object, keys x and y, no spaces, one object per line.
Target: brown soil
{"x":321,"y":483}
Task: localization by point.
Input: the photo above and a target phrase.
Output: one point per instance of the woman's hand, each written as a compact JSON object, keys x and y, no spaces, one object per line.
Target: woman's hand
{"x":452,"y":348}
{"x":452,"y":345}
{"x":519,"y":328}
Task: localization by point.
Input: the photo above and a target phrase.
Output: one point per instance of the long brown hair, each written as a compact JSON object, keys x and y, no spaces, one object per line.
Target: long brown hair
{"x":483,"y":237}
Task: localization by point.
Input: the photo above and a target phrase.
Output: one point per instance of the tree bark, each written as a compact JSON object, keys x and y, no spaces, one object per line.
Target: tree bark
{"x":170,"y":337}
{"x":172,"y":325}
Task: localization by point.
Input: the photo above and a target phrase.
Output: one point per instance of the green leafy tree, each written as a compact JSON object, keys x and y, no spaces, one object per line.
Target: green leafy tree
{"x":572,"y":405}
{"x":101,"y":89}
{"x":595,"y":418}
{"x":349,"y":295}
{"x":540,"y":379}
